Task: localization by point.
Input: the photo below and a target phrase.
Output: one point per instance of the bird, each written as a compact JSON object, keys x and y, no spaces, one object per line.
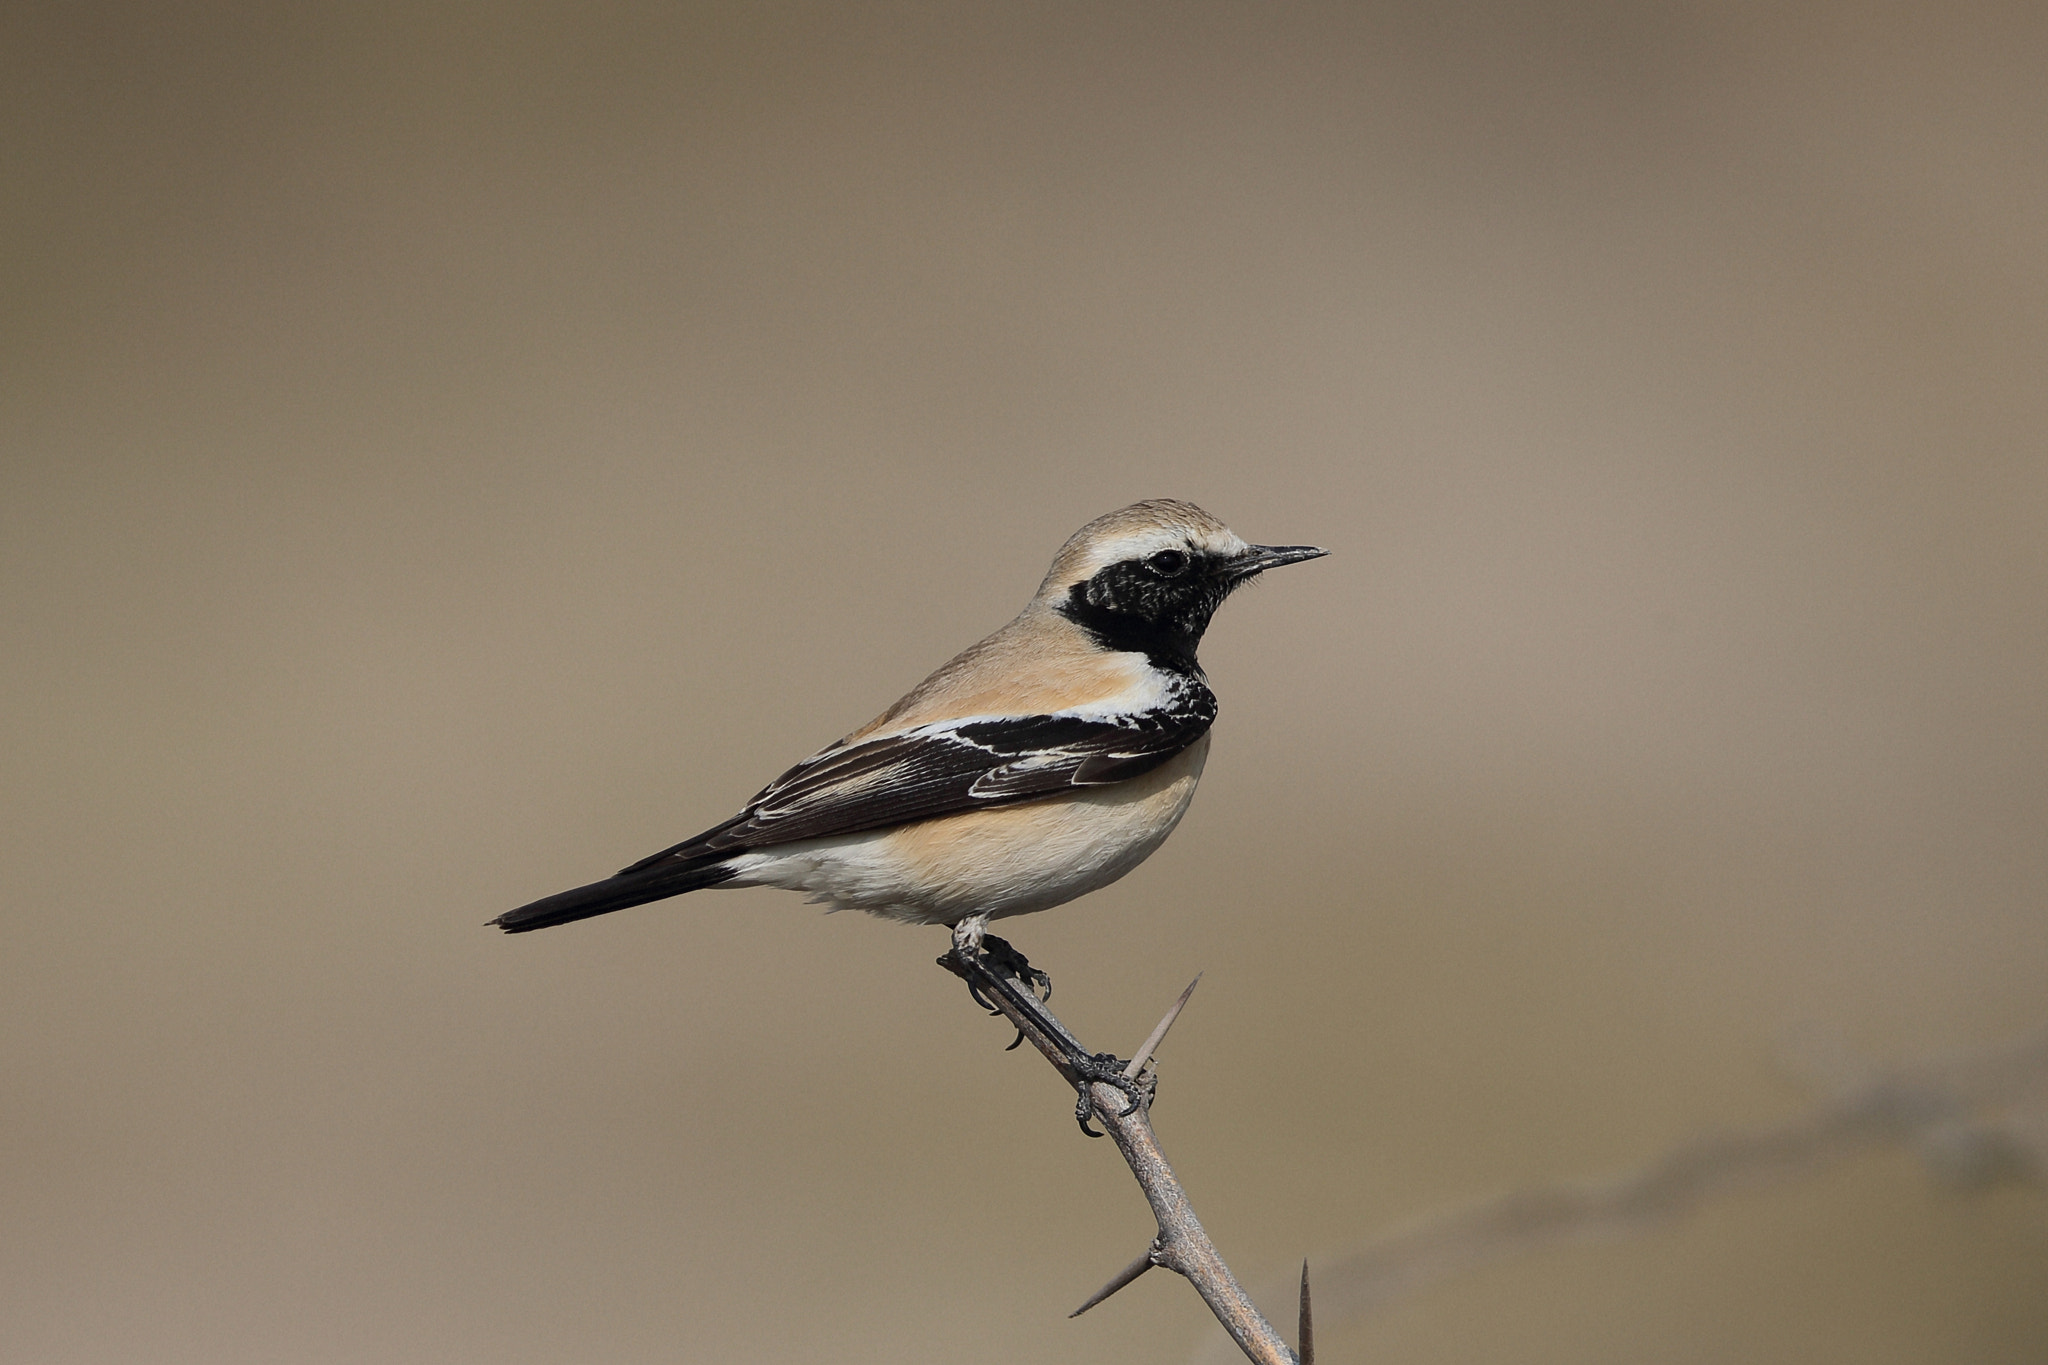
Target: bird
{"x":1038,"y":765}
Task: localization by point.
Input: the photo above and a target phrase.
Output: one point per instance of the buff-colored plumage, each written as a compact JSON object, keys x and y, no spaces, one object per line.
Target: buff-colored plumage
{"x":1041,"y":661}
{"x":1040,"y":764}
{"x":1013,"y":860}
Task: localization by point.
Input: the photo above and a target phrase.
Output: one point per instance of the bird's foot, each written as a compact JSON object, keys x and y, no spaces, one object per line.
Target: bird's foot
{"x":975,"y":948}
{"x":1107,"y":1069}
{"x":973,"y":943}
{"x":1007,"y":961}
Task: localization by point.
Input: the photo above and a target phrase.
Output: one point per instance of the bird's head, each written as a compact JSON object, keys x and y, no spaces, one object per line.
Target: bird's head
{"x":1149,"y":576}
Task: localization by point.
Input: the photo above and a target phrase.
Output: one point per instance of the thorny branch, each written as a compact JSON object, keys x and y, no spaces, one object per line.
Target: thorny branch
{"x":1119,"y":1097}
{"x":1974,"y":1118}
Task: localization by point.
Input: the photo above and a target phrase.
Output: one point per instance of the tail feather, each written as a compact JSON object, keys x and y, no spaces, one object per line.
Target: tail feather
{"x":632,"y":887}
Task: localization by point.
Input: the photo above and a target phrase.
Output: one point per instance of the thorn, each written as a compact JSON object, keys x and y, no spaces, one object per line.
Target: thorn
{"x":1305,"y":1333}
{"x":1144,"y":1053}
{"x":1120,"y":1279}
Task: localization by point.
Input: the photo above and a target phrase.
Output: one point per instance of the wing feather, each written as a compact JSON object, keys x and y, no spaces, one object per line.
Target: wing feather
{"x":947,"y":768}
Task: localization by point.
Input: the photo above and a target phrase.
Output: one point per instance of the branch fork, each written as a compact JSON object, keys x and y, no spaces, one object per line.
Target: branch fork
{"x":1119,"y":1097}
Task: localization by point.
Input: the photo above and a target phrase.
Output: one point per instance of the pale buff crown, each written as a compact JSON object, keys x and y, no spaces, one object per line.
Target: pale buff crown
{"x":1133,"y":532}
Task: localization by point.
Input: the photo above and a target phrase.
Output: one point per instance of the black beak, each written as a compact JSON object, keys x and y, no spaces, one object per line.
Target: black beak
{"x":1258,"y":558}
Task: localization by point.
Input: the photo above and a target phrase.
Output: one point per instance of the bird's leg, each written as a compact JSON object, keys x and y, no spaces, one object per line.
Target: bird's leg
{"x":1004,"y":960}
{"x":972,"y":942}
{"x":1001,"y":957}
{"x":967,"y":940}
{"x":968,"y":934}
{"x":1006,"y":968}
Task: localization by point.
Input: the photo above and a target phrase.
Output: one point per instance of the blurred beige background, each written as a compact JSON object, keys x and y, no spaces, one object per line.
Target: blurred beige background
{"x":452,"y":451}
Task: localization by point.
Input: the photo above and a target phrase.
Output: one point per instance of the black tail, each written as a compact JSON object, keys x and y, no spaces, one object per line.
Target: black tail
{"x":633,"y":887}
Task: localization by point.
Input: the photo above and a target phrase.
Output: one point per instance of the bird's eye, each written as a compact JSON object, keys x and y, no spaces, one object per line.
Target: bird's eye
{"x":1168,"y":563}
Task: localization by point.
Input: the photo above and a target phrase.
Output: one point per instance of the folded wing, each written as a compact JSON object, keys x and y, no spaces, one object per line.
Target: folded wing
{"x":946,"y":769}
{"x":940,"y":769}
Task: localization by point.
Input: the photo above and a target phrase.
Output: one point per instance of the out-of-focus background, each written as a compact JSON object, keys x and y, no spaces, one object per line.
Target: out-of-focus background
{"x":452,"y":451}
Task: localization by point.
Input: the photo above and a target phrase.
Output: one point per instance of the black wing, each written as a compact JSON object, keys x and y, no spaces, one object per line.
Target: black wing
{"x":946,"y":769}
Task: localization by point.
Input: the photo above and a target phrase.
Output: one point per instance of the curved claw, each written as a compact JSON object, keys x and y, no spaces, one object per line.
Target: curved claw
{"x":999,"y":957}
{"x":1002,"y":957}
{"x":974,"y":994}
{"x":1109,"y":1069}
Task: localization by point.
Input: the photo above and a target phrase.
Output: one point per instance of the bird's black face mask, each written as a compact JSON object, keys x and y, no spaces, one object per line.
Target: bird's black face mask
{"x":1160,"y":604}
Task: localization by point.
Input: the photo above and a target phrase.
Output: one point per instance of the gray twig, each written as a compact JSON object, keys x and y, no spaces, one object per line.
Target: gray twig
{"x":1181,"y":1245}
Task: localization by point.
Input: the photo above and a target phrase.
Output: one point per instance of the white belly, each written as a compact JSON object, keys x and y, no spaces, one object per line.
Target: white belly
{"x":1010,"y":860}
